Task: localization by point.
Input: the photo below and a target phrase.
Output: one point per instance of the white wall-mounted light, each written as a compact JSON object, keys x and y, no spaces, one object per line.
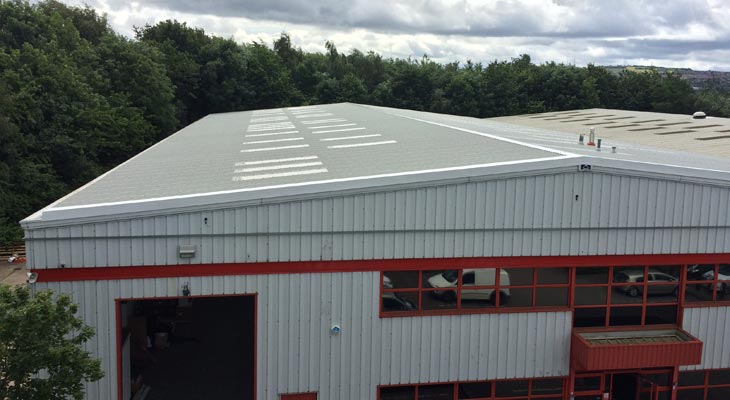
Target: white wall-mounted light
{"x":335,"y":330}
{"x":186,"y":250}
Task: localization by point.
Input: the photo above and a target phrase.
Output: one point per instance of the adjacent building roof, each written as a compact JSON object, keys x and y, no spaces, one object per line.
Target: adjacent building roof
{"x":709,"y":136}
{"x":257,"y":155}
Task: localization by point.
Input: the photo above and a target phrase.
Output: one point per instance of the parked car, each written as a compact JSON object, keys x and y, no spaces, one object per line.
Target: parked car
{"x":637,"y":276}
{"x":723,"y":276}
{"x":470,"y":278}
{"x":392,"y":301}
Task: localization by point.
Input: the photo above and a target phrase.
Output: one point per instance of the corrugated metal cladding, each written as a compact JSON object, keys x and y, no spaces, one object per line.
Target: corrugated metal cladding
{"x":711,"y":325}
{"x":296,"y":352}
{"x":557,"y":214}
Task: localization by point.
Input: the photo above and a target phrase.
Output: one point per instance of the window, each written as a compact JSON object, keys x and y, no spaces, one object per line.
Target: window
{"x":707,"y":283}
{"x":704,"y":385}
{"x":473,"y":290}
{"x":513,"y":389}
{"x":634,"y":295}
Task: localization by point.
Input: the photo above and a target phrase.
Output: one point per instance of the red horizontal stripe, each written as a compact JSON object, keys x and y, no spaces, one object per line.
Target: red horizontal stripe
{"x":184,"y":270}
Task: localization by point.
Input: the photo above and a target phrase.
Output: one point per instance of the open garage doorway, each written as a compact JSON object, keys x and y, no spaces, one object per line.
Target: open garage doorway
{"x":188,"y":348}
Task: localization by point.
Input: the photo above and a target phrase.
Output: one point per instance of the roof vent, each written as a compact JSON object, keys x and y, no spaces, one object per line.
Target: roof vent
{"x":699,"y":115}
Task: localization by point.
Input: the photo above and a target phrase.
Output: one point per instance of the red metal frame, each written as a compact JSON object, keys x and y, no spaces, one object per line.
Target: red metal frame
{"x":298,"y":396}
{"x":186,"y":270}
{"x":118,"y":311}
{"x":706,"y":385}
{"x":606,"y":386}
{"x":493,"y":388}
{"x":592,"y":357}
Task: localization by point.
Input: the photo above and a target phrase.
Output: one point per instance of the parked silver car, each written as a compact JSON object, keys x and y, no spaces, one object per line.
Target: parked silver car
{"x":637,"y":276}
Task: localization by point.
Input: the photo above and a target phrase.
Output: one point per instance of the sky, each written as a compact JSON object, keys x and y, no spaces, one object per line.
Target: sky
{"x":674,"y":33}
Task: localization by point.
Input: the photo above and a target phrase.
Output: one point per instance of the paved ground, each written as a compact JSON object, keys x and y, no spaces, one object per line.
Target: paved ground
{"x":12,"y":274}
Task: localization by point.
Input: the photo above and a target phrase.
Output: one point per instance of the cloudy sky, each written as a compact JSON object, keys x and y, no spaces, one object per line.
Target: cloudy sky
{"x":673,"y":33}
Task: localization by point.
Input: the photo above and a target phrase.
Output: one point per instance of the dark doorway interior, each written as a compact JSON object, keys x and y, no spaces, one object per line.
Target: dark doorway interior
{"x":190,"y":348}
{"x":624,"y":386}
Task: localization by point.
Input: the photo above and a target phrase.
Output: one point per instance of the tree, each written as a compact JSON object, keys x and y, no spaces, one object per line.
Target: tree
{"x":41,"y":354}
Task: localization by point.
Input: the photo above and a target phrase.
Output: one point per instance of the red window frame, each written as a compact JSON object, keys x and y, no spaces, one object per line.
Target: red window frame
{"x":499,"y":306}
{"x":610,"y":285}
{"x":706,"y":386}
{"x":493,"y":388}
{"x":713,"y":285}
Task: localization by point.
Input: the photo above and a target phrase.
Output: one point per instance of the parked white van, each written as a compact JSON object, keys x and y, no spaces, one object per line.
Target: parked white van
{"x":470,"y":279}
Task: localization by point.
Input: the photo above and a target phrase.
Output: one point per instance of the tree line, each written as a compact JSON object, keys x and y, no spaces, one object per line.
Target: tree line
{"x":77,"y":98}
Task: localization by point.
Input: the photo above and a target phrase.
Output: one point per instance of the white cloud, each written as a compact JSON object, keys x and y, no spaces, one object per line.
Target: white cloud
{"x":681,"y":33}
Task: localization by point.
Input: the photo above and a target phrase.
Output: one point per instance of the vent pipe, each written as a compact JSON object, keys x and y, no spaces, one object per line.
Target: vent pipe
{"x":592,"y":137}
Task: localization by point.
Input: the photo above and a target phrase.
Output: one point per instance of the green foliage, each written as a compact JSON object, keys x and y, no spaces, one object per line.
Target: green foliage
{"x":77,"y":99}
{"x":41,"y":347}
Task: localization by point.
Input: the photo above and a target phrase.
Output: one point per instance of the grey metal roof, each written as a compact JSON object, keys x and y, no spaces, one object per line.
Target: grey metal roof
{"x":710,"y":136}
{"x":262,"y":154}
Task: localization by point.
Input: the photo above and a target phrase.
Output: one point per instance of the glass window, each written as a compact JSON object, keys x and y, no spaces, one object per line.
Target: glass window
{"x":553,"y":275}
{"x":516,"y":277}
{"x":621,"y":316}
{"x":628,"y":294}
{"x":585,"y":296}
{"x":551,"y":296}
{"x":438,"y":300}
{"x":516,"y":297}
{"x":719,"y":377}
{"x":718,"y":393}
{"x":478,"y":298}
{"x":691,"y":394}
{"x":436,"y":392}
{"x":700,"y":272}
{"x":440,"y":279}
{"x":591,"y":275}
{"x":658,"y":315}
{"x":475,"y":390}
{"x":698,"y":292}
{"x":398,"y":393}
{"x":546,"y":386}
{"x":589,"y":317}
{"x":513,"y":388}
{"x":586,"y":384}
{"x":400,"y":279}
{"x":400,"y":301}
{"x":692,"y":378}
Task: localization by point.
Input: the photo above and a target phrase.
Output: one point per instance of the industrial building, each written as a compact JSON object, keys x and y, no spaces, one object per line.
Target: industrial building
{"x":355,"y":252}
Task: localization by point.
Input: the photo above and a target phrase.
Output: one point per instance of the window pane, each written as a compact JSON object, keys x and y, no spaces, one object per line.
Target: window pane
{"x":514,"y":388}
{"x":438,"y":299}
{"x":662,"y":379}
{"x":591,"y":275}
{"x":698,"y":292}
{"x":723,"y":286}
{"x":398,"y":393}
{"x":700,"y":272}
{"x":552,"y":275}
{"x":585,"y":296}
{"x":516,"y":276}
{"x":400,"y":279}
{"x":589,"y":317}
{"x":692,"y":394}
{"x":658,"y":315}
{"x":692,"y":378}
{"x":630,"y":275}
{"x":585,"y":384}
{"x":436,"y":392}
{"x":516,"y":297}
{"x":625,"y":316}
{"x":400,"y":301}
{"x":478,"y":298}
{"x":665,"y":273}
{"x":478,"y":277}
{"x":441,"y":279}
{"x":632,"y":294}
{"x":547,"y":386}
{"x":719,"y":377}
{"x":718,"y":393}
{"x":551,"y":297}
{"x":475,"y":390}
{"x":662,"y":293}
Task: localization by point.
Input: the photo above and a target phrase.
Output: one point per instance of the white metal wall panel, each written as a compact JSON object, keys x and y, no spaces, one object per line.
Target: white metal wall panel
{"x":711,"y":325}
{"x":561,"y":214}
{"x":296,"y":353}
